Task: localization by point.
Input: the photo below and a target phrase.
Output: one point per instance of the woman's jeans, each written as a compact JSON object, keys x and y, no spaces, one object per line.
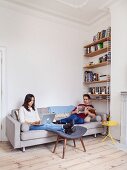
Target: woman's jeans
{"x":48,"y":126}
{"x":73,"y":117}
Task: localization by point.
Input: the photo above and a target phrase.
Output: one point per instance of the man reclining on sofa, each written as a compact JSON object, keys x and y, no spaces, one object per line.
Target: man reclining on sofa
{"x":81,"y":114}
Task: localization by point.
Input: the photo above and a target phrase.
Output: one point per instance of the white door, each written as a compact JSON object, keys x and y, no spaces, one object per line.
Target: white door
{"x":2,"y":94}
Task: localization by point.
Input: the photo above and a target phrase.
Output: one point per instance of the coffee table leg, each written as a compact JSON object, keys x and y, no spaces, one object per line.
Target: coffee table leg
{"x":83,"y":144}
{"x":56,"y":144}
{"x":64,"y":147}
{"x":74,"y":143}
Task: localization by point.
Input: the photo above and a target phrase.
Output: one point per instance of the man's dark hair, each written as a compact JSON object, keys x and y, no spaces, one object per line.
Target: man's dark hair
{"x":28,"y":99}
{"x":86,"y":95}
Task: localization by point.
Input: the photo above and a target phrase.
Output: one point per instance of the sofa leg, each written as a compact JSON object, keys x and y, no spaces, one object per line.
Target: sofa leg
{"x":23,"y":149}
{"x":95,"y":135}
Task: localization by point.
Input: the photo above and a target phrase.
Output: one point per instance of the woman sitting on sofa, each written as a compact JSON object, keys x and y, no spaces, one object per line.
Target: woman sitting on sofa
{"x":29,"y":114}
{"x":81,"y":114}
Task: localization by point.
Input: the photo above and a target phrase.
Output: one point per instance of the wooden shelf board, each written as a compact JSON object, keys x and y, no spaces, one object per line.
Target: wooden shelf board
{"x":102,"y":100}
{"x":98,"y":65}
{"x":99,"y":94}
{"x":98,"y":41}
{"x":102,"y":81}
{"x":95,"y":53}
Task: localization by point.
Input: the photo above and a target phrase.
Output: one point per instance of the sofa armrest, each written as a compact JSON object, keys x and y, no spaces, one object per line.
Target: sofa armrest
{"x":103,"y":116}
{"x":13,"y":131}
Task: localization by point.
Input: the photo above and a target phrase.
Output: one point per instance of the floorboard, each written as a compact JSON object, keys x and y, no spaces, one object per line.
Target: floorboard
{"x":99,"y":156}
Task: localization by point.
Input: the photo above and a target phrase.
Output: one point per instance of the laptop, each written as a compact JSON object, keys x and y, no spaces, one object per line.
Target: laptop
{"x":47,"y":118}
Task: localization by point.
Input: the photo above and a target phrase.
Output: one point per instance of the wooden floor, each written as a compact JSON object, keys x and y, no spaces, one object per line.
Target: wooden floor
{"x":99,"y":156}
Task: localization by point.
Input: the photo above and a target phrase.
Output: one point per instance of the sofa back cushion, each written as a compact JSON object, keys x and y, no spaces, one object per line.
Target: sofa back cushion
{"x":42,"y":111}
{"x":15,"y":112}
{"x":60,"y":109}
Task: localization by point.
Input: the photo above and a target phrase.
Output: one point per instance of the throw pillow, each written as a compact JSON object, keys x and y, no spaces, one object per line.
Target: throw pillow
{"x":17,"y":114}
{"x":61,"y":116}
{"x":24,"y":127}
{"x":98,"y":118}
{"x":14,"y":114}
{"x":87,"y":119}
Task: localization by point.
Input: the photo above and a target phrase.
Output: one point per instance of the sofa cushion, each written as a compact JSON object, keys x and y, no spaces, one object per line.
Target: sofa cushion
{"x":91,"y":125}
{"x":36,"y":134}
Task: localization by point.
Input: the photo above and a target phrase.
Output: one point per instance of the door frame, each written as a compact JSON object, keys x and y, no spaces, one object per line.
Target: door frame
{"x":3,"y":97}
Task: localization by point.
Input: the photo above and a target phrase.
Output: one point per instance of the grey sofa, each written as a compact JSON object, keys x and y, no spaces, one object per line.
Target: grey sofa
{"x":20,"y":136}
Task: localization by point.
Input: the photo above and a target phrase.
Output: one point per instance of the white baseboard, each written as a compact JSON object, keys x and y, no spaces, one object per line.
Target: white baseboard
{"x":121,"y":146}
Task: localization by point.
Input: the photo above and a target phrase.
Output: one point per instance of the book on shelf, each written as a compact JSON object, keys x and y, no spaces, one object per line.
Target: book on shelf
{"x":105,"y":57}
{"x":102,"y":34}
{"x":100,"y":45}
{"x":102,"y":90}
{"x":90,"y":76}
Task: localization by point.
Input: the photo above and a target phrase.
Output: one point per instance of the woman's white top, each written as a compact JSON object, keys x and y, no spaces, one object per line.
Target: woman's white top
{"x":29,"y":116}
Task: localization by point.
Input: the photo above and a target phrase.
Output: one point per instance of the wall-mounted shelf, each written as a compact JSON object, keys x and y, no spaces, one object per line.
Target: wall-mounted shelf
{"x":92,"y":82}
{"x":98,"y":52}
{"x":97,"y":42}
{"x":93,"y":69}
{"x":99,"y":94}
{"x":97,"y":65}
{"x":101,"y":100}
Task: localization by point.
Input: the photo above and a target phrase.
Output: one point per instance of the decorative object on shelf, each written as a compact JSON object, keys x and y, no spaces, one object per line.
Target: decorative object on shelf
{"x":104,"y":77}
{"x":91,"y":63}
{"x":106,"y":57}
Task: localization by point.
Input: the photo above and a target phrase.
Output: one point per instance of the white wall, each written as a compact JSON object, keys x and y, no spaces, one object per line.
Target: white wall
{"x":99,"y":25}
{"x":43,"y":57}
{"x":119,"y":60}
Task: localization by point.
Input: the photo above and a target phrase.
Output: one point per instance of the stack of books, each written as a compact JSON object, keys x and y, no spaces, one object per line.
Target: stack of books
{"x":90,"y":76}
{"x":102,"y":34}
{"x":99,"y":90}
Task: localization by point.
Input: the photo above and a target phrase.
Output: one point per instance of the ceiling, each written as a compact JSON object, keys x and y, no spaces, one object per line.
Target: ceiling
{"x":82,"y":11}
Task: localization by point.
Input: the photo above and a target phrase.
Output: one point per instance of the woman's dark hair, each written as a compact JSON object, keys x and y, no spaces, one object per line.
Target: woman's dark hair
{"x":28,"y":99}
{"x":86,"y":95}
